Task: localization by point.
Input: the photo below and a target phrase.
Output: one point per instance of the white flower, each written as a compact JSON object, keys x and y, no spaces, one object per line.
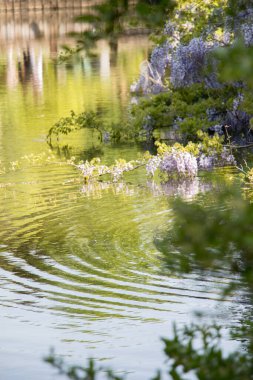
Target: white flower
{"x":152,"y":165}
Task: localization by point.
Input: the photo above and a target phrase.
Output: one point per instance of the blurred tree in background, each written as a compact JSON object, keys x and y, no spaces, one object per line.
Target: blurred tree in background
{"x":111,"y":19}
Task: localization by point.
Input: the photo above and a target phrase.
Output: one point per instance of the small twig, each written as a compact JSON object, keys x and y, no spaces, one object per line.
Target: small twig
{"x":238,"y":146}
{"x":109,"y":171}
{"x":240,"y":168}
{"x":246,"y":164}
{"x":228,"y":137}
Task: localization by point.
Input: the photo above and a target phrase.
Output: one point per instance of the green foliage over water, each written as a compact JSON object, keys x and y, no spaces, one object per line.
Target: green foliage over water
{"x":184,"y":109}
{"x":75,"y":122}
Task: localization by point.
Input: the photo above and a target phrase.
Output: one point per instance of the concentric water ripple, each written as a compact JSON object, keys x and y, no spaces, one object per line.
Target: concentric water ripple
{"x":82,"y":271}
{"x":89,"y":256}
{"x":79,"y":268}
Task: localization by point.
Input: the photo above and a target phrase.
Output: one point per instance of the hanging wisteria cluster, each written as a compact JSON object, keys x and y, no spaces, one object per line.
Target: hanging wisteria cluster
{"x":247,"y":30}
{"x":186,"y":61}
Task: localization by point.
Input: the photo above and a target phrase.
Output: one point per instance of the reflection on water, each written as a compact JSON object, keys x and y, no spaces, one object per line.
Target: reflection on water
{"x":79,"y":269}
{"x":84,"y":271}
{"x":36,"y":92}
{"x":49,"y":28}
{"x":33,"y":5}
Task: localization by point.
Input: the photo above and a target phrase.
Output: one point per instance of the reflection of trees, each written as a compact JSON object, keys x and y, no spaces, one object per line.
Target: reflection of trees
{"x":53,"y":90}
{"x":111,"y":19}
{"x":21,"y":27}
{"x":25,"y":67}
{"x":28,"y":5}
{"x":36,"y":91}
{"x":36,"y":30}
{"x":66,"y":152}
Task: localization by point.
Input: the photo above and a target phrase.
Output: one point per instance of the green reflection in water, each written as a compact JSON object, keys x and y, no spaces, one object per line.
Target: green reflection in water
{"x":74,"y":260}
{"x":36,"y":92}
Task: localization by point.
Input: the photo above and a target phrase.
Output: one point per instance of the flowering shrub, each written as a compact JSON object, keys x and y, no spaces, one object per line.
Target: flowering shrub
{"x":187,"y":63}
{"x":171,"y":161}
{"x":152,"y":165}
{"x":176,"y":161}
{"x":191,"y":50}
{"x":186,"y":40}
{"x":181,"y":163}
{"x":93,"y":170}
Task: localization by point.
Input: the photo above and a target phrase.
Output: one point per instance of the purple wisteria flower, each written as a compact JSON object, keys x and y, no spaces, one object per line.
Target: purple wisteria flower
{"x":179,"y":162}
{"x":247,"y":32}
{"x":153,"y":164}
{"x":188,"y":62}
{"x":225,"y":158}
{"x":206,"y":162}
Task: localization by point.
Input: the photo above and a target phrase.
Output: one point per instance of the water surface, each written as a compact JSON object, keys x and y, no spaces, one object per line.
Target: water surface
{"x":79,"y":269}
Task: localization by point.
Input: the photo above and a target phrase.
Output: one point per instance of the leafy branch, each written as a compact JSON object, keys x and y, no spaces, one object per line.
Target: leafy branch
{"x":75,"y":122}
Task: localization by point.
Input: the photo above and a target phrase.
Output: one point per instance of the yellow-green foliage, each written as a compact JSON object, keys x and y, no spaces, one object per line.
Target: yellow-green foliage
{"x":249,"y":175}
{"x":209,"y":144}
{"x":206,"y":144}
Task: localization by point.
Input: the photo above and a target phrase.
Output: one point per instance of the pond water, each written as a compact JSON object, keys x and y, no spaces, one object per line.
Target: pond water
{"x":79,"y":268}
